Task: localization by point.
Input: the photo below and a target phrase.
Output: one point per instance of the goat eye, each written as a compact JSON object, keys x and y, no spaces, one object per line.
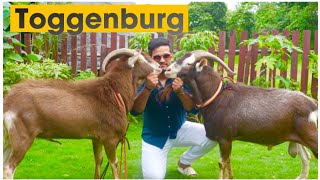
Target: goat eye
{"x":189,"y":64}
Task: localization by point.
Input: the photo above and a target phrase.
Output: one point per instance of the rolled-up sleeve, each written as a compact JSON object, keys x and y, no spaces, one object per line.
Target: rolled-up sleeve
{"x":194,"y":110}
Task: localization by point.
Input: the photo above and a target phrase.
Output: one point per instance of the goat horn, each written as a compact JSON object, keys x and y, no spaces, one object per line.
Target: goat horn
{"x":115,"y":54}
{"x":199,"y":54}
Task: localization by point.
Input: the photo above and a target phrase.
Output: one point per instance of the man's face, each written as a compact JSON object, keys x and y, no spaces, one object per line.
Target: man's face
{"x":163,"y":56}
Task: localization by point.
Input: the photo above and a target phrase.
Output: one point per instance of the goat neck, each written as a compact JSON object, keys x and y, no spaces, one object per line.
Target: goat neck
{"x":121,"y":78}
{"x":208,"y":83}
{"x":211,"y":99}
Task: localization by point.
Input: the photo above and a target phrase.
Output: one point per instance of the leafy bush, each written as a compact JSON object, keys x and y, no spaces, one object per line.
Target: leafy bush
{"x":314,"y":64}
{"x":140,"y":41}
{"x":287,"y":83}
{"x":276,"y":44}
{"x":201,"y":40}
{"x":14,"y":72}
{"x":261,"y":82}
{"x":82,"y":75}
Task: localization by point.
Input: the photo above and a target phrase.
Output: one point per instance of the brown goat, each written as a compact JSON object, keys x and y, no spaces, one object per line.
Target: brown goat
{"x":264,"y":116}
{"x":85,"y":109}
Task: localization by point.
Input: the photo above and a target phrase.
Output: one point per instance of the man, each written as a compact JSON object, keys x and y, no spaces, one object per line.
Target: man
{"x":165,"y":124}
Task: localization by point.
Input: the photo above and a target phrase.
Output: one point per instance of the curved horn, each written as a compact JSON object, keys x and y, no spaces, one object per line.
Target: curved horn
{"x":199,"y":54}
{"x":115,"y":54}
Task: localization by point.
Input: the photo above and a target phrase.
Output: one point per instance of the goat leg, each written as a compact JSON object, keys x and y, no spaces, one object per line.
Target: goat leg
{"x":110,"y":146}
{"x":230,"y":174}
{"x":224,"y":163}
{"x":305,"y":159}
{"x":222,"y":169}
{"x":97,"y":150}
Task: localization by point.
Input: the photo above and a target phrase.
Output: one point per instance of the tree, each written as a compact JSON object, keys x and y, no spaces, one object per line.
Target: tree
{"x":207,"y":16}
{"x":242,"y":19}
{"x":287,"y":15}
{"x":266,"y":16}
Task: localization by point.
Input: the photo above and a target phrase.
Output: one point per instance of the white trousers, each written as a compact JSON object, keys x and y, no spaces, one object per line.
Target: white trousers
{"x":154,"y":159}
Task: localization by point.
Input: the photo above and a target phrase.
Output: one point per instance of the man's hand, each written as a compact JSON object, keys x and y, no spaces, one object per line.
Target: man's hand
{"x":152,"y":80}
{"x":177,"y":85}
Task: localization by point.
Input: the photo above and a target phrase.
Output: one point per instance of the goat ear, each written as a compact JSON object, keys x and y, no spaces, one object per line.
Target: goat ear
{"x":201,"y":64}
{"x":199,"y":67}
{"x":132,"y":61}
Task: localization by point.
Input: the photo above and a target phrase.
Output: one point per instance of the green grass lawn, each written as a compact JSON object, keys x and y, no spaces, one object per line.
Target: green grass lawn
{"x":74,"y":159}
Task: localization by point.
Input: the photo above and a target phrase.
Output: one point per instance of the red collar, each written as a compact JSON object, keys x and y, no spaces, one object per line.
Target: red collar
{"x":117,"y":96}
{"x":211,"y":99}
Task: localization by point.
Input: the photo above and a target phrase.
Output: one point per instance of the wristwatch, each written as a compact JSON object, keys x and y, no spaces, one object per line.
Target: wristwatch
{"x":149,"y":89}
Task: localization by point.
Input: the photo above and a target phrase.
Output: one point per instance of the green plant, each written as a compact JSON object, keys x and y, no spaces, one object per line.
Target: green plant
{"x":278,"y":45}
{"x":9,"y":52}
{"x":82,"y":75}
{"x":140,"y":41}
{"x":287,"y":83}
{"x":201,"y":40}
{"x":9,"y":41}
{"x":14,"y":72}
{"x":47,"y":44}
{"x":261,"y":82}
{"x":314,"y":64}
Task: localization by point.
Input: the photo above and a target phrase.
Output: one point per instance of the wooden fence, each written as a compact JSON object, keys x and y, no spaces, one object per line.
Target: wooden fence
{"x":93,"y":48}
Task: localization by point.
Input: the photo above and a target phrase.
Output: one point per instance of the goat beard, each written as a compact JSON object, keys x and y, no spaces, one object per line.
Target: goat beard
{"x":164,"y":94}
{"x":195,"y":92}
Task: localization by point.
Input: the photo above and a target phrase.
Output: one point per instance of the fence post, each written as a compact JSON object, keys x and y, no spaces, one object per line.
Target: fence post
{"x":294,"y":57}
{"x":212,"y":51}
{"x":242,"y":55}
{"x":122,"y":41}
{"x":247,"y":64}
{"x":113,"y":41}
{"x":314,"y":83}
{"x":17,"y":47}
{"x":64,"y":48}
{"x":284,"y":57}
{"x":83,"y":50}
{"x":222,"y":48}
{"x":305,"y":60}
{"x":74,"y":50}
{"x":93,"y":52}
{"x":171,"y":39}
{"x":27,"y":42}
{"x":272,"y":73}
{"x":264,"y":52}
{"x":103,"y":52}
{"x":232,"y":52}
{"x":254,"y":59}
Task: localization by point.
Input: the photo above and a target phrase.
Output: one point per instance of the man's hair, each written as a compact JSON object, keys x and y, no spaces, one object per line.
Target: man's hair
{"x":157,"y":42}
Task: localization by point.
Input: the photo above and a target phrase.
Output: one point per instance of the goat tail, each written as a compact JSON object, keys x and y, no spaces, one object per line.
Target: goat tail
{"x":313,"y":117}
{"x":6,"y":139}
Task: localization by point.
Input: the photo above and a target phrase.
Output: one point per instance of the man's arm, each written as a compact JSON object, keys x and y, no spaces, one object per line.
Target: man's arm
{"x":184,"y":97}
{"x":141,"y":99}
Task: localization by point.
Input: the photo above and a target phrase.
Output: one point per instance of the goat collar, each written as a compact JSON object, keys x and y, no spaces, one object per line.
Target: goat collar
{"x":211,"y":99}
{"x":117,"y":96}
